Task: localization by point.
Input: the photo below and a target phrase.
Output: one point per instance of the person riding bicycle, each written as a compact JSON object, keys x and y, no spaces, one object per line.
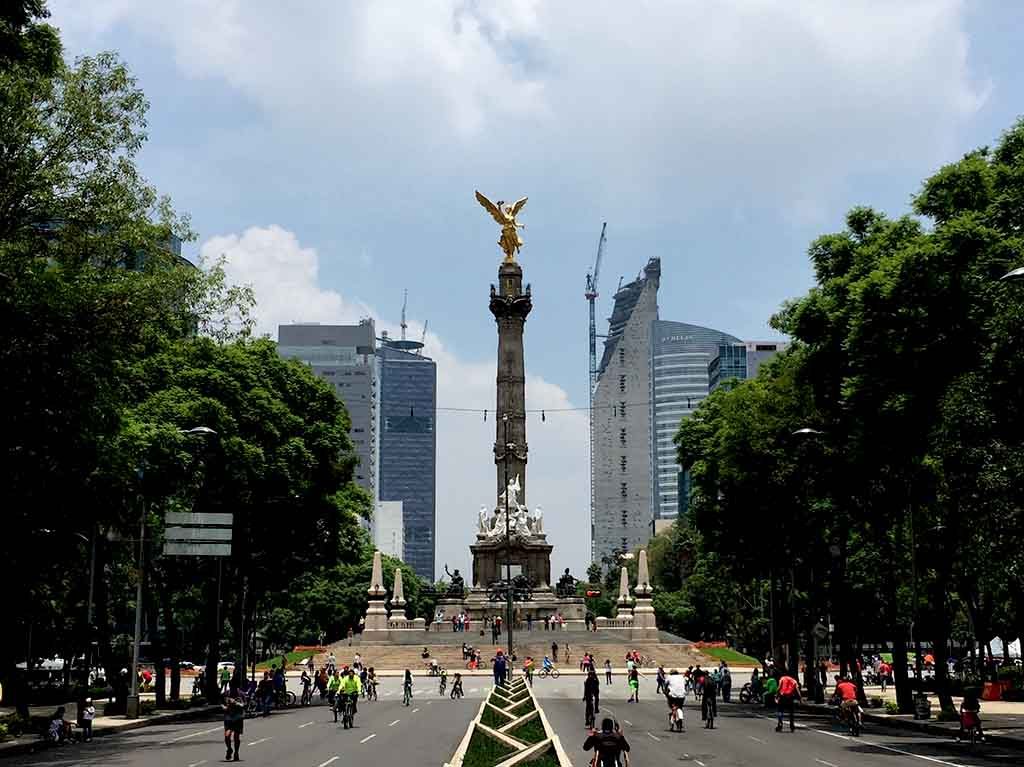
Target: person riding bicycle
{"x":608,"y":744}
{"x":333,"y":688}
{"x":970,"y":714}
{"x":546,"y":664}
{"x":675,"y":689}
{"x":371,"y":683}
{"x":709,"y":701}
{"x":350,"y":689}
{"x":363,"y":676}
{"x":456,"y":686}
{"x":846,"y":694}
{"x":444,"y":679}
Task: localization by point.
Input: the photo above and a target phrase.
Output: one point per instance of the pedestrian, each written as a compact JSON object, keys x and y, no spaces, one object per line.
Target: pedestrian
{"x":88,"y":714}
{"x":545,"y":623}
{"x":225,"y":679}
{"x":607,"y":671}
{"x":567,"y":653}
{"x":591,"y":697}
{"x":789,"y":693}
{"x":554,"y":652}
{"x":332,"y":663}
{"x":726,"y":682}
{"x":351,"y":634}
{"x":500,"y":667}
{"x":265,"y":693}
{"x":234,"y":723}
{"x":634,"y":685}
{"x":660,"y":679}
{"x":465,"y":651}
{"x":529,"y":622}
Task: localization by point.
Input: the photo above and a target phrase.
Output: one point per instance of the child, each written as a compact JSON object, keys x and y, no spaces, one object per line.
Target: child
{"x":607,"y":671}
{"x":634,"y":685}
{"x":88,"y":714}
{"x":970,"y":714}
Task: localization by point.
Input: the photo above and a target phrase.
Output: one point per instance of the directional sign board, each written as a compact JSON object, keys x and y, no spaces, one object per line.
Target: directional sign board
{"x":197,"y":535}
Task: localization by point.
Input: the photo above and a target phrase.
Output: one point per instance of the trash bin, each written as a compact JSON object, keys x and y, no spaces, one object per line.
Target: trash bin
{"x":922,"y":707}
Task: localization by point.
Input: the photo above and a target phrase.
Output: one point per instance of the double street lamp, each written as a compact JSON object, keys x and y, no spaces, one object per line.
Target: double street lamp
{"x":508,"y":548}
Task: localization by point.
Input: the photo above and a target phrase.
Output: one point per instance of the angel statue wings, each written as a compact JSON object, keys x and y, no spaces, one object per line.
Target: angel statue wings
{"x":510,"y":242}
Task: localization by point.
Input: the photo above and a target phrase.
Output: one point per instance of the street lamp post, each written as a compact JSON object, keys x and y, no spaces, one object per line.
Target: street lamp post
{"x":132,"y":704}
{"x":508,"y":549}
{"x":811,"y":674}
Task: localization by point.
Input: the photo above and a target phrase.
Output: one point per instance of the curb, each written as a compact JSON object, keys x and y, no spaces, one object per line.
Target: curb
{"x":32,"y":744}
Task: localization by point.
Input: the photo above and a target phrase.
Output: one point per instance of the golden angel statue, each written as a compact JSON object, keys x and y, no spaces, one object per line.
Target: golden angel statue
{"x":505,"y":215}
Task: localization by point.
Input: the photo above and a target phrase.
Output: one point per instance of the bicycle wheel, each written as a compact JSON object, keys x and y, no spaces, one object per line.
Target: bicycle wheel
{"x":555,"y":673}
{"x":289,"y":698}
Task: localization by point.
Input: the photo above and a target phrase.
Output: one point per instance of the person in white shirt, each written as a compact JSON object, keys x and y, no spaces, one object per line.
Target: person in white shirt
{"x":675,"y":686}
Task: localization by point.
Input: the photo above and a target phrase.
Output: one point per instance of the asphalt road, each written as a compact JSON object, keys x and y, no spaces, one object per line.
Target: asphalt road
{"x":746,"y":736}
{"x":428,"y":731}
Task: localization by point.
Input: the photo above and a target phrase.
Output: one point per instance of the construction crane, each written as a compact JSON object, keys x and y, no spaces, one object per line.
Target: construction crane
{"x":423,"y":338}
{"x":591,"y":296}
{"x":405,"y":300}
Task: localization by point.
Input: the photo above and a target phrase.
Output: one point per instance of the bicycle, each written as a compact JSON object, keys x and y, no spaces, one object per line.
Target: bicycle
{"x":456,"y":692}
{"x":551,"y":672}
{"x":307,"y":696}
{"x":371,"y":690}
{"x":406,"y":694}
{"x":284,"y":699}
{"x":749,"y":695}
{"x":347,"y":716}
{"x":675,"y":719}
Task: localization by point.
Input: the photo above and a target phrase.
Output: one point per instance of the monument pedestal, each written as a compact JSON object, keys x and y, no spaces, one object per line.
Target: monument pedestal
{"x":531,"y":558}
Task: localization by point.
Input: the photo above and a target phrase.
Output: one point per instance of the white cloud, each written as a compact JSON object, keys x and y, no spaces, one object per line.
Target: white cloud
{"x":639,"y":107}
{"x":284,"y":278}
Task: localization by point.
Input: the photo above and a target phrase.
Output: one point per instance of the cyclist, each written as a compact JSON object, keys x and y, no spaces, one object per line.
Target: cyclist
{"x":456,"y":686}
{"x":675,"y":690}
{"x":709,"y":703}
{"x":547,"y":665}
{"x":444,"y":680}
{"x":363,"y":675}
{"x":849,"y":708}
{"x":608,"y":745}
{"x":350,"y":689}
{"x":970,"y":715}
{"x":789,"y":694}
{"x":407,"y":687}
{"x":333,"y":688}
{"x":371,"y":684}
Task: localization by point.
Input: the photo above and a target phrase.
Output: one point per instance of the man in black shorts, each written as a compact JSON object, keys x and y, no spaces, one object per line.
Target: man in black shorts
{"x":234,"y":720}
{"x":609,"y":745}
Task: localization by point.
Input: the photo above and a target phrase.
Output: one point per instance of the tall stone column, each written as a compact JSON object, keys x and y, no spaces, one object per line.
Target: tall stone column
{"x":510,"y":305}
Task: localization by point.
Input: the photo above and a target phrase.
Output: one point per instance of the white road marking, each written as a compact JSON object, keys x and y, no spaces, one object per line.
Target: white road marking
{"x":473,"y":689}
{"x":389,"y":692}
{"x":827,"y":764}
{"x":196,"y":764}
{"x":429,"y":702}
{"x":261,"y":740}
{"x":332,"y":759}
{"x":368,"y":737}
{"x":307,"y":724}
{"x":190,"y":735}
{"x":653,"y":737}
{"x":759,"y":740}
{"x":698,"y":761}
{"x":628,"y":723}
{"x":394,"y":723}
{"x":414,"y":711}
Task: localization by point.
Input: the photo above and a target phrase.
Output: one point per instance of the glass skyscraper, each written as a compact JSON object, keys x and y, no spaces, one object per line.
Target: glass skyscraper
{"x":680,"y":354}
{"x":408,"y":446}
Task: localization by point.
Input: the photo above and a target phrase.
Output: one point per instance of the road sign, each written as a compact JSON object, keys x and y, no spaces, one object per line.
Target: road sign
{"x":197,"y":535}
{"x":820,"y":631}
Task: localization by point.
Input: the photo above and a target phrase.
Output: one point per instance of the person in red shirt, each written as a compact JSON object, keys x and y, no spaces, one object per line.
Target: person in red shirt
{"x":789,"y":693}
{"x":849,"y":707}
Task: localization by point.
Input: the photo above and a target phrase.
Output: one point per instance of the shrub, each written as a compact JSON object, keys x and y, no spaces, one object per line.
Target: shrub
{"x":891,"y":707}
{"x":485,"y":751}
{"x":530,"y":732}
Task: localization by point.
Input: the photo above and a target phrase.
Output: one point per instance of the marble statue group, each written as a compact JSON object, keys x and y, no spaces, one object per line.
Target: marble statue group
{"x":522,"y":525}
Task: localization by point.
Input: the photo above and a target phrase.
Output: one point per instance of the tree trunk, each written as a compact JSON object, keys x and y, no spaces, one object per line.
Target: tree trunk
{"x":213,"y":632}
{"x":904,"y":695}
{"x":940,"y":646}
{"x":157,"y":644}
{"x":173,"y":642}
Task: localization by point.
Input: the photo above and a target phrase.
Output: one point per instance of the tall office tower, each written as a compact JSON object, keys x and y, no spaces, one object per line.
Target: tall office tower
{"x":680,"y":354}
{"x":408,"y":446}
{"x":622,"y":420}
{"x":344,"y":356}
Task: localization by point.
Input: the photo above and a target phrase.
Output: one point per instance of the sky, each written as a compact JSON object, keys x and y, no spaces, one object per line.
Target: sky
{"x":330,"y":151}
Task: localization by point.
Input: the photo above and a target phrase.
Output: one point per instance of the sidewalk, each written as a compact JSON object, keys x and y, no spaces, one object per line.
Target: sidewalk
{"x":102,"y":725}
